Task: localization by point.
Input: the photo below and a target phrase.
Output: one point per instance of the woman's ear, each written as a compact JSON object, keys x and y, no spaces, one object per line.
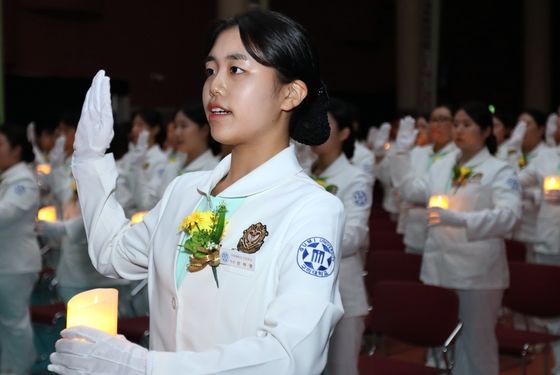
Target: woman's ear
{"x":344,"y":134}
{"x":295,"y":92}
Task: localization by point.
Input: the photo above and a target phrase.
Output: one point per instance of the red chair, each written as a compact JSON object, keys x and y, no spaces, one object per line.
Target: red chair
{"x":417,"y":314}
{"x":392,"y":265}
{"x":516,"y":251}
{"x":533,"y":292}
{"x":135,"y":329}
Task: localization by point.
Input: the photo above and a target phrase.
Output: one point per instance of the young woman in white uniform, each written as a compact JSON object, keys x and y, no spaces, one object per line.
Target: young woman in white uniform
{"x":422,"y":158}
{"x":353,"y":186}
{"x":196,"y":150}
{"x":536,"y":154}
{"x":143,"y":164}
{"x":465,"y":248}
{"x":20,"y":260}
{"x":277,"y":301}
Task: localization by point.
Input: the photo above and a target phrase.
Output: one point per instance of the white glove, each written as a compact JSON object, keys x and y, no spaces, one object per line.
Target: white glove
{"x":406,"y":137}
{"x":51,"y":230}
{"x":516,"y":139}
{"x":31,"y":133}
{"x":56,"y":155}
{"x":85,"y":350}
{"x":441,"y":216}
{"x":551,"y":129}
{"x":95,"y":128}
{"x":137,"y":155}
{"x":372,"y":134}
{"x":381,"y":139}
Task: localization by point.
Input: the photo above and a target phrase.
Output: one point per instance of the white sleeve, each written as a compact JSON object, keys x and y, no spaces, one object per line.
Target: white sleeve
{"x":116,"y":248}
{"x":411,"y":188}
{"x":499,"y":220}
{"x":357,"y":205}
{"x":21,"y":197}
{"x":294,"y":335}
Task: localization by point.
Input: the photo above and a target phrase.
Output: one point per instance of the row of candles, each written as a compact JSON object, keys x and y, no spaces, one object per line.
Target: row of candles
{"x":98,"y":308}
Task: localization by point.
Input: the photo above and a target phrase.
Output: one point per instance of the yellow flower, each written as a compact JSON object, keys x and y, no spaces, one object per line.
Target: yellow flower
{"x":322,"y":182}
{"x":465,"y":171}
{"x":198,"y":221}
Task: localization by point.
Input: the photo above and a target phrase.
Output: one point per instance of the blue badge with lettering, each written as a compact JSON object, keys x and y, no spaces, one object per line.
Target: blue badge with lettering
{"x":19,"y":189}
{"x":513,"y":183}
{"x":360,"y":198}
{"x":315,"y":256}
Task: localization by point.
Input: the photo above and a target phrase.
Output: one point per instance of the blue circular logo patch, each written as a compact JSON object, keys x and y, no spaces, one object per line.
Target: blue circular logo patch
{"x":360,"y":198}
{"x":316,"y":257}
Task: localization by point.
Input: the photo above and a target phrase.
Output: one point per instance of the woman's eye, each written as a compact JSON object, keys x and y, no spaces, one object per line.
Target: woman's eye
{"x":209,"y":72}
{"x":236,"y":70}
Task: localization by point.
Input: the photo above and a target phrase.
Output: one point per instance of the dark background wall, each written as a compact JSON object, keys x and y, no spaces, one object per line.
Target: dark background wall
{"x":154,"y":51}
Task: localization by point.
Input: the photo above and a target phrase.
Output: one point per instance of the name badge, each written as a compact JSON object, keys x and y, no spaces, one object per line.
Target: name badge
{"x":237,"y":259}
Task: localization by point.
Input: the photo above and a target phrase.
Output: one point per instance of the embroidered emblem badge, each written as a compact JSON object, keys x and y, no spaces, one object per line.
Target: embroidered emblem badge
{"x":252,"y":239}
{"x":316,"y":257}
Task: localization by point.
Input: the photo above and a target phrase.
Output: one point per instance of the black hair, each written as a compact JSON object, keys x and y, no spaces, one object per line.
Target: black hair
{"x":17,"y":136}
{"x":344,"y":118}
{"x":44,"y":126}
{"x":70,"y":118}
{"x":154,"y":119}
{"x":506,"y":118}
{"x":277,"y":41}
{"x":538,"y":116}
{"x":482,"y":116}
{"x":197,"y":115}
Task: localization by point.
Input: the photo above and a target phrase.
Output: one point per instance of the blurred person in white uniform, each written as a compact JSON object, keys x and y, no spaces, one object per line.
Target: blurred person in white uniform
{"x":271,"y":303}
{"x":196,"y":150}
{"x":533,"y":152}
{"x":143,"y":164}
{"x":353,"y":186}
{"x":502,"y":127}
{"x":382,"y":149}
{"x":20,"y":259}
{"x":465,"y":249}
{"x":363,"y":157}
{"x":413,"y":216}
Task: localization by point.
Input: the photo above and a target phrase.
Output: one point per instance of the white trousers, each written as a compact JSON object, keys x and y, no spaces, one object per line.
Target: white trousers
{"x":476,"y":351}
{"x":17,"y":351}
{"x":344,"y":347}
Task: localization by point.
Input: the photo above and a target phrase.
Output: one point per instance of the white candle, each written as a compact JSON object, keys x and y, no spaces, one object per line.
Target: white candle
{"x":439,"y":201}
{"x":47,"y":213}
{"x":96,"y":308}
{"x":551,"y":183}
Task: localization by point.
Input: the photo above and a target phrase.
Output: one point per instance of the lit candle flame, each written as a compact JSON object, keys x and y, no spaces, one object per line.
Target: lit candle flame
{"x":47,"y":213}
{"x":441,"y":201}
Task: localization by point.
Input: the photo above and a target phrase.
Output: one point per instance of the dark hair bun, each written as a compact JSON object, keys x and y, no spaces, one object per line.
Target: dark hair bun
{"x":310,"y":125}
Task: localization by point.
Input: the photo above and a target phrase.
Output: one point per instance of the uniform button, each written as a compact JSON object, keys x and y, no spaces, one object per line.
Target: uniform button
{"x":174,"y":303}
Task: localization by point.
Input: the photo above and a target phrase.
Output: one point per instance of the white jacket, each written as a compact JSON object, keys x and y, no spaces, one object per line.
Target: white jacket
{"x":354,"y":188}
{"x":363,"y":158}
{"x":471,"y":257}
{"x":19,"y":200}
{"x":276,"y":319}
{"x":412,"y":216}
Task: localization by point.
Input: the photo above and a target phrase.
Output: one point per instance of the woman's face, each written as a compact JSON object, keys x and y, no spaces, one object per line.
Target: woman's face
{"x":138,"y":125}
{"x":9,"y":156}
{"x":69,"y":133}
{"x":45,"y":141}
{"x":534,"y":133}
{"x":499,"y":129}
{"x":333,"y":145}
{"x":423,"y":137}
{"x":440,"y":126}
{"x":243,"y":100}
{"x":467,"y":134}
{"x":188,"y":135}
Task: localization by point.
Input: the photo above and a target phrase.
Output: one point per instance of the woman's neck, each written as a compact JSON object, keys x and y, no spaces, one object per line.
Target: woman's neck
{"x":194,"y":154}
{"x":245,"y":158}
{"x":324,"y":161}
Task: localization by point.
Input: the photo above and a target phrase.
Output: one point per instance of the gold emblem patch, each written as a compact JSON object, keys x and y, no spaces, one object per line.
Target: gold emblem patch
{"x":252,"y":239}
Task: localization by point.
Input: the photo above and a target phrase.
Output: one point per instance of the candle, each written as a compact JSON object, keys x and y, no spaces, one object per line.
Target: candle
{"x":138,"y":217}
{"x":43,"y":168}
{"x":439,"y":201}
{"x":47,"y":213}
{"x":96,"y":308}
{"x":551,"y":183}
